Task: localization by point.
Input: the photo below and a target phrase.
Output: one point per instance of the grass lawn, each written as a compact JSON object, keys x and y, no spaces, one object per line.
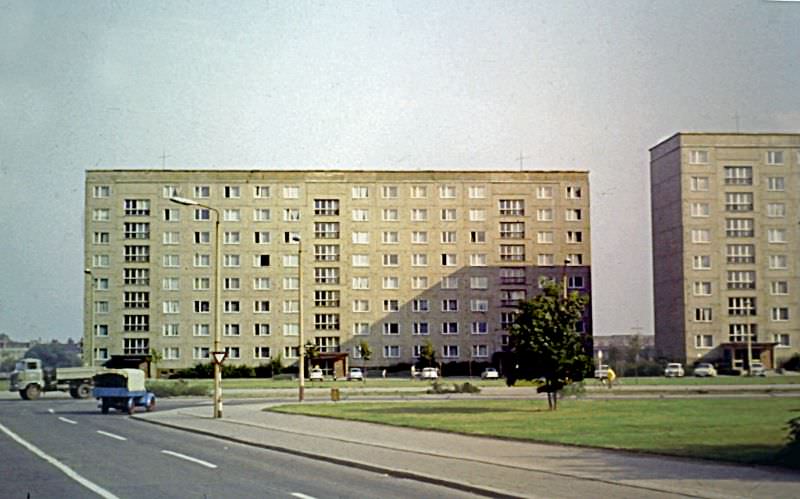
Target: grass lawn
{"x":746,"y":430}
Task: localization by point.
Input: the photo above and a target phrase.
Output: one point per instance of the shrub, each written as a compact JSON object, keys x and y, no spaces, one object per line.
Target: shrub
{"x":793,"y":364}
{"x":440,"y":388}
{"x":180,"y":388}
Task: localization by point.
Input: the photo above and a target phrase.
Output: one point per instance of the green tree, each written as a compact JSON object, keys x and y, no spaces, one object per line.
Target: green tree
{"x":366,"y":354}
{"x":312,"y":354}
{"x":53,"y":355}
{"x":545,"y":344}
{"x":427,"y":354}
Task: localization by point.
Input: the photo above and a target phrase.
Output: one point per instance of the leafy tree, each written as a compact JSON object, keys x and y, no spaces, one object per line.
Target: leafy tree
{"x":366,"y":353}
{"x":53,"y":355}
{"x":277,"y":364}
{"x":545,"y":344}
{"x":312,"y":353}
{"x":427,"y":354}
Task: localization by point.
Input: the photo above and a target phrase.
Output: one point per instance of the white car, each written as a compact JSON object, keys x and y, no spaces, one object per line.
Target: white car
{"x":758,"y":369}
{"x":316,"y":374}
{"x":673,"y":370}
{"x":490,"y":373}
{"x":355,"y":374}
{"x":601,"y":372}
{"x":429,"y":373}
{"x":705,"y":369}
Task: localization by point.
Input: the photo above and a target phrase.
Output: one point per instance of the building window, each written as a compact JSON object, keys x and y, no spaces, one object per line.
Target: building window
{"x":774,"y":157}
{"x":776,"y":236}
{"x":419,"y":191}
{"x":290,"y":261}
{"x":391,"y":259}
{"x":419,"y":282}
{"x":702,"y":314}
{"x":450,"y":351}
{"x":261,"y":306}
{"x":740,"y":253}
{"x":391,"y":328}
{"x":202,"y":214}
{"x":544,"y":214}
{"x":512,"y":252}
{"x":231,"y":237}
{"x":741,"y":279}
{"x":738,"y":201}
{"x":291,"y":214}
{"x":776,"y":184}
{"x":479,"y":327}
{"x":477,"y":215}
{"x":326,"y":207}
{"x":101,"y":191}
{"x":419,"y":237}
{"x":420,"y":329}
{"x":261,"y":214}
{"x":698,"y":184}
{"x":480,"y":351}
{"x":738,"y":175}
{"x":512,"y":207}
{"x":420,"y":305}
{"x":326,"y":322}
{"x":169,"y":306}
{"x":261,"y":237}
{"x":573,"y":192}
{"x":449,"y":259}
{"x":361,"y":282}
{"x":779,"y":314}
{"x":291,"y":329}
{"x":231,"y":215}
{"x":231,"y":330}
{"x":447,"y":191}
{"x":701,"y":262}
{"x":545,"y":259}
{"x":360,"y":192}
{"x":260,"y":352}
{"x":478,"y":260}
{"x":201,"y":283}
{"x":231,"y":260}
{"x":776,"y":210}
{"x":450,"y":282}
{"x":261,"y":191}
{"x":544,"y":192}
{"x":136,"y":230}
{"x":291,"y":192}
{"x":202,"y":191}
{"x":391,"y":305}
{"x":448,"y":214}
{"x":479,"y":305}
{"x":171,"y":261}
{"x":132,"y":323}
{"x":477,"y":191}
{"x":326,"y":298}
{"x":135,"y":346}
{"x":478,"y":282}
{"x":361,"y":215}
{"x":779,"y":288}
{"x":201,"y":329}
{"x":326,"y":252}
{"x":477,"y":236}
{"x":137,"y":207}
{"x":512,"y":297}
{"x":361,"y":328}
{"x":389,"y":192}
{"x":512,"y":230}
{"x":512,"y":275}
{"x":231,"y":284}
{"x":741,"y":305}
{"x":390,"y":237}
{"x":261,"y":329}
{"x":326,"y":230}
{"x":291,"y":352}
{"x":449,"y":328}
{"x":391,"y":351}
{"x":450,"y":305}
{"x":782,"y":340}
{"x":574,"y":236}
{"x":700,"y":210}
{"x":326,"y":275}
{"x":360,"y":237}
{"x":139,"y":254}
{"x":701,"y":288}
{"x":507,"y":319}
{"x":136,"y":277}
{"x":704,"y":341}
{"x":231,"y":306}
{"x":701,"y":236}
{"x":419,"y":214}
{"x":739,"y":227}
{"x":360,"y":305}
{"x":232,"y":191}
{"x":698,"y":157}
{"x":778,"y":262}
{"x":360,"y":260}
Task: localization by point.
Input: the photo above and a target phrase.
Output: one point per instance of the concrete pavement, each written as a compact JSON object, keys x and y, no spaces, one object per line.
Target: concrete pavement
{"x":480,"y":464}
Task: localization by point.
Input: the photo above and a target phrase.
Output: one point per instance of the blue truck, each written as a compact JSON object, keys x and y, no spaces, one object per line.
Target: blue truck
{"x":123,"y":390}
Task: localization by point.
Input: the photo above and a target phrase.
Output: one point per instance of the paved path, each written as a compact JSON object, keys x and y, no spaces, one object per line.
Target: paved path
{"x":493,"y":466}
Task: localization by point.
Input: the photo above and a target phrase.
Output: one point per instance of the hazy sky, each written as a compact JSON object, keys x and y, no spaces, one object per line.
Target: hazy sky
{"x":407,"y":84}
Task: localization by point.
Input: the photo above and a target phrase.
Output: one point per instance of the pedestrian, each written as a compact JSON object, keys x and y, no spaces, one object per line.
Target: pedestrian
{"x":383,"y":373}
{"x":611,"y":375}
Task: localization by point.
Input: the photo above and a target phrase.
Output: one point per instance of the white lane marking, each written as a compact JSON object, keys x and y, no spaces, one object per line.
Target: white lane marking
{"x":300,"y":495}
{"x":100,"y":491}
{"x":190,"y":458}
{"x":62,"y":418}
{"x":111,"y":435}
{"x":51,"y":411}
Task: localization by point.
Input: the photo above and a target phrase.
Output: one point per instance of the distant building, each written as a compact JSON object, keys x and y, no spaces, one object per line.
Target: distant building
{"x":620,"y":343}
{"x":725,"y":211}
{"x":10,"y":349}
{"x":392,"y":258}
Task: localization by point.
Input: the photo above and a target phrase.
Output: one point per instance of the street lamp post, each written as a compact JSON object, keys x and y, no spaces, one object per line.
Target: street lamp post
{"x":301,"y":388}
{"x":217,"y":355}
{"x":92,"y":326}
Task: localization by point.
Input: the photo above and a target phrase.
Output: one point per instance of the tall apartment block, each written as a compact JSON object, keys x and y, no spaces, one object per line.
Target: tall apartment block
{"x":725,"y":218}
{"x":396,"y":259}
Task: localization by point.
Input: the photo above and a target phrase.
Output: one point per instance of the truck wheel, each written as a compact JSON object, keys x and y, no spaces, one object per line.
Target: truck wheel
{"x":23,"y":395}
{"x":32,"y":392}
{"x":131,"y":406}
{"x":104,"y":406}
{"x":83,"y":391}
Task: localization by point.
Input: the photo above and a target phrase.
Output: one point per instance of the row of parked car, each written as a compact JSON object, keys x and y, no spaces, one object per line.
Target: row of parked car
{"x":707,"y":370}
{"x":429,"y":373}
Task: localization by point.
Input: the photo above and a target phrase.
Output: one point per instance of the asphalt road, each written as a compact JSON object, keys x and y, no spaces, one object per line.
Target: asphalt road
{"x":63,"y":448}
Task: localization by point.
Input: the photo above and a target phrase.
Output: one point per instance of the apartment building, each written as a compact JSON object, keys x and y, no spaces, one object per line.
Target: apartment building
{"x":392,"y":258}
{"x":725,"y":247}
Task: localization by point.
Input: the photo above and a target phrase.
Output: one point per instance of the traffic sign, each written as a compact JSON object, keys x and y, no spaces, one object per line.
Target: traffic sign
{"x":219,"y":357}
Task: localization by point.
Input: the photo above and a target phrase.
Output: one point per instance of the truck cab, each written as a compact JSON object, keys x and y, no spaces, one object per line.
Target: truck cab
{"x":30,"y":379}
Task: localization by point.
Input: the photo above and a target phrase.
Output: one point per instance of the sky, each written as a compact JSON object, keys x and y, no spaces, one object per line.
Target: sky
{"x":567,"y":85}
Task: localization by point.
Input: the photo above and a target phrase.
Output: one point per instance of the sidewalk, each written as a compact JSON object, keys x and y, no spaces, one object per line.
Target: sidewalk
{"x":482,"y":465}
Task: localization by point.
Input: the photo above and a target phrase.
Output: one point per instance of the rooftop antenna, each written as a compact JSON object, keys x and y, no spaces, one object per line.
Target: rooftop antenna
{"x":163,"y":158}
{"x":521,"y":158}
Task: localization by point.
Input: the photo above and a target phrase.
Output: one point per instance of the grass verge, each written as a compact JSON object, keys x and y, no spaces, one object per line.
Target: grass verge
{"x":743,"y":430}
